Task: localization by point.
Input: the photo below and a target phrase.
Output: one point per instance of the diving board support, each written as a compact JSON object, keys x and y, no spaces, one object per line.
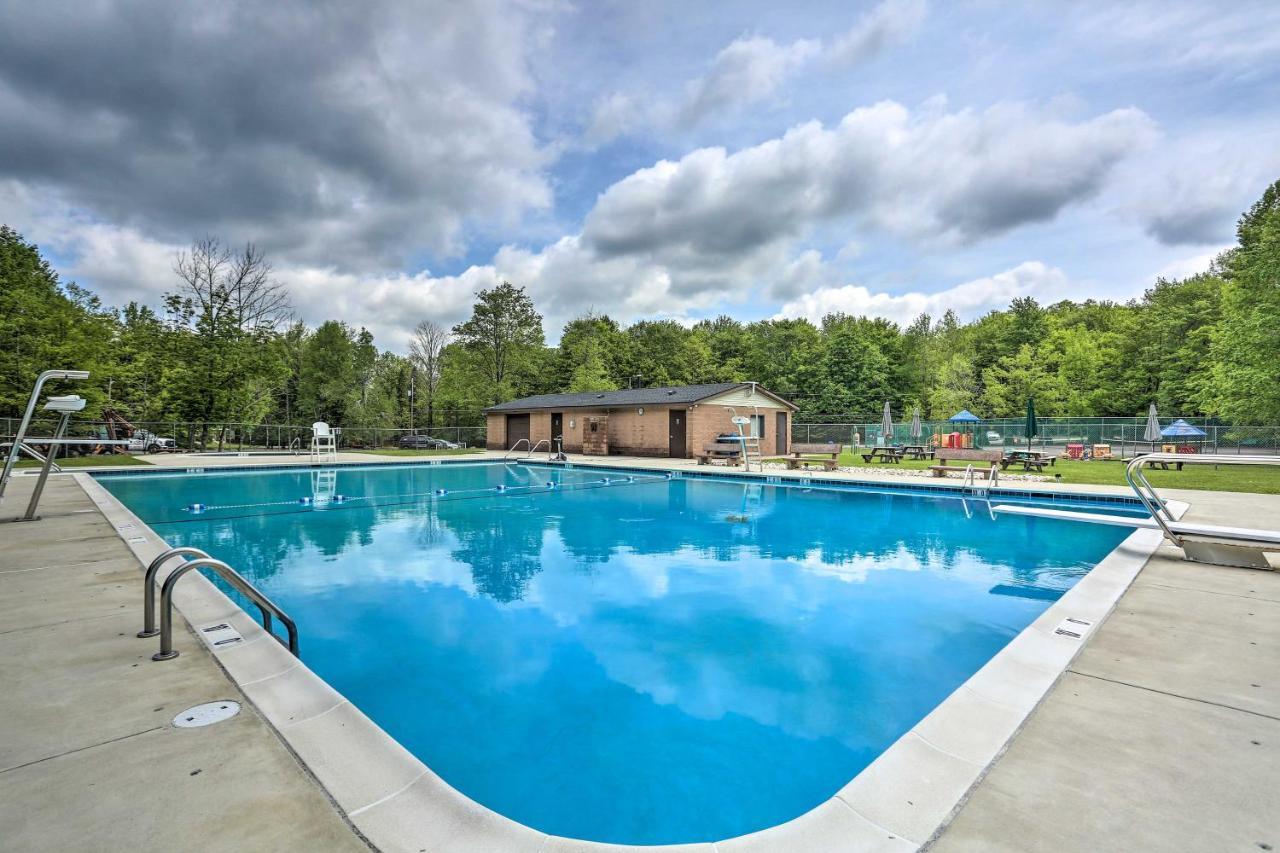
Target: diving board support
{"x":1216,"y":544}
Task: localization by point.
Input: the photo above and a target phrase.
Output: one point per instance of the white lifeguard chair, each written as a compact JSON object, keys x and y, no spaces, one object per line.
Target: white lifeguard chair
{"x":324,"y":443}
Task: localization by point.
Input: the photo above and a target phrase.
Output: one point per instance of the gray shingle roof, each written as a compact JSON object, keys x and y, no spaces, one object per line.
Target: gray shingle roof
{"x":677,"y":395}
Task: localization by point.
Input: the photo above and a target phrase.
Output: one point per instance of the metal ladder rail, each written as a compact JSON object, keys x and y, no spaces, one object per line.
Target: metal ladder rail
{"x":231,"y":576}
{"x":1150,"y":498}
{"x":533,"y":448}
{"x":149,"y":628}
{"x":34,"y":454}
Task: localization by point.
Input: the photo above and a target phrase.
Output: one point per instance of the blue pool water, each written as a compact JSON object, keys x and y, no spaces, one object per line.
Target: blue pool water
{"x":644,"y":662}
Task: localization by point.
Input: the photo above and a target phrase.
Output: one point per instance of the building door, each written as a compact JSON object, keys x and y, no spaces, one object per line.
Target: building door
{"x":557,"y":430}
{"x":781,"y":438}
{"x":676,"y":447}
{"x":517,"y":428}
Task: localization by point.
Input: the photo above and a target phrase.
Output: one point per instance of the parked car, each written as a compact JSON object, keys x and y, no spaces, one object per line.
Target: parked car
{"x":148,"y":442}
{"x":994,"y":439}
{"x":425,"y":442}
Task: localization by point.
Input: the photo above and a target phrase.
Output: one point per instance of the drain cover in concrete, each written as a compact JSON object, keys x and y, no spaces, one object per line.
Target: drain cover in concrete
{"x":207,"y":714}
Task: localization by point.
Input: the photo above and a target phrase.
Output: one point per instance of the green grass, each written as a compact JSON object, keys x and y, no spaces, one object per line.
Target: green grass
{"x":398,"y":451}
{"x":1253,"y":479}
{"x":87,"y":461}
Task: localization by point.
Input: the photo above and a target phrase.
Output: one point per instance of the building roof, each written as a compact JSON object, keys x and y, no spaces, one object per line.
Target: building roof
{"x":672,"y":396}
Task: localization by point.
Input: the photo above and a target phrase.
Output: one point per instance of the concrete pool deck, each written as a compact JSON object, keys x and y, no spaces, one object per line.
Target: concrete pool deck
{"x":1147,"y":742}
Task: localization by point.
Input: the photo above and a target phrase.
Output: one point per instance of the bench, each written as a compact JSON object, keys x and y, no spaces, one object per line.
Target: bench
{"x":730,"y":454}
{"x":883,"y":454}
{"x":984,"y":462}
{"x":804,"y":455}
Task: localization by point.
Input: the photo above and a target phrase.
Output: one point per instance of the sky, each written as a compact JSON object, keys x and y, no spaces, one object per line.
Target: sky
{"x":645,"y":160}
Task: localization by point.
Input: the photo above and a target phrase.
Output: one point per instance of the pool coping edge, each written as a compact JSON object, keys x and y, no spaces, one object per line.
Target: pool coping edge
{"x":901,"y":801}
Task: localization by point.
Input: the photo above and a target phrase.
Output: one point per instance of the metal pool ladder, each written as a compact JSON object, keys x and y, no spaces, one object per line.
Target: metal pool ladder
{"x":533,"y":448}
{"x":265,"y":605}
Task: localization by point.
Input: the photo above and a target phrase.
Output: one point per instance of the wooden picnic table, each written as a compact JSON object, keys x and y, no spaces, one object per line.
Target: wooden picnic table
{"x":883,"y":454}
{"x":1163,"y":464}
{"x":918,"y":451}
{"x":1028,"y":459}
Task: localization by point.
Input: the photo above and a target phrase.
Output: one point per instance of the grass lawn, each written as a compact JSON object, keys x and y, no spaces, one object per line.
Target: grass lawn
{"x":397,"y":451}
{"x":1256,"y":479}
{"x":87,"y":461}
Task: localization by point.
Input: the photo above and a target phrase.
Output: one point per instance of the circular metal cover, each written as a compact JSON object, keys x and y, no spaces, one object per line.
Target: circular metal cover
{"x":207,"y":714}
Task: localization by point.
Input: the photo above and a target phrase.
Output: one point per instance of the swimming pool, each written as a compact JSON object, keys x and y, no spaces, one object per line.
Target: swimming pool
{"x":643,"y":660}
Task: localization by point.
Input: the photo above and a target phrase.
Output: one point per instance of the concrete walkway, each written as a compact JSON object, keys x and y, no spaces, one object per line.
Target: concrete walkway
{"x":1164,"y":734}
{"x":89,"y":759}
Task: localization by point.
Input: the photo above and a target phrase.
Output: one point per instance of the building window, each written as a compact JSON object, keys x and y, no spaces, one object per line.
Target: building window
{"x":757,"y":426}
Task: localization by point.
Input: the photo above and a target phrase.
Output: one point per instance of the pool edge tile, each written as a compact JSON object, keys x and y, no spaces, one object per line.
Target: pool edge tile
{"x":912,"y":788}
{"x":430,"y":815}
{"x":831,"y":826}
{"x":357,"y":762}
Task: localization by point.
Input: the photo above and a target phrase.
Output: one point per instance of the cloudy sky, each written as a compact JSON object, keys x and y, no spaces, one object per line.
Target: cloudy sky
{"x":655,"y":159}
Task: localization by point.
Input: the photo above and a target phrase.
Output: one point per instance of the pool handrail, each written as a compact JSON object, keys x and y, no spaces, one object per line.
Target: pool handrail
{"x":231,"y":576}
{"x":149,"y":628}
{"x":1210,"y":543}
{"x":533,"y":448}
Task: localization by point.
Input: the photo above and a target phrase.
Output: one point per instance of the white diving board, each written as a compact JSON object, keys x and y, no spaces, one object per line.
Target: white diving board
{"x":1203,"y":543}
{"x":1144,"y":522}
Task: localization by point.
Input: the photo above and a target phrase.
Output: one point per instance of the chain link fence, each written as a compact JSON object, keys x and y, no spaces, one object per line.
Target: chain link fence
{"x":1123,"y":434}
{"x":242,"y":437}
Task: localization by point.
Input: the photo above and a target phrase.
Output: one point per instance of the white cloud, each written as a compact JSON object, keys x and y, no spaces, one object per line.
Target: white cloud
{"x":1189,"y":266}
{"x":890,"y":22}
{"x":968,"y":300}
{"x":954,"y":177}
{"x":749,"y":70}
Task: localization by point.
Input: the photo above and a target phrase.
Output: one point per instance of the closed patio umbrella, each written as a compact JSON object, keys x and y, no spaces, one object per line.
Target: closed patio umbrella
{"x":917,"y":429}
{"x":1031,"y":428}
{"x":1152,"y":432}
{"x":886,"y":424}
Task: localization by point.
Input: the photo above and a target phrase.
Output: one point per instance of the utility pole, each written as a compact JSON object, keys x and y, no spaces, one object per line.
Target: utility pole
{"x":412,"y":370}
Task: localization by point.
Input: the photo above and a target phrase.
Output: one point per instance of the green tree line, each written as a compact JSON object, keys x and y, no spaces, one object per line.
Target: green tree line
{"x":221,"y":347}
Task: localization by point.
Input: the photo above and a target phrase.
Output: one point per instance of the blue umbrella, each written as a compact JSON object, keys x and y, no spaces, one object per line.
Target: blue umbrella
{"x":1181,"y":428}
{"x":964,"y":417}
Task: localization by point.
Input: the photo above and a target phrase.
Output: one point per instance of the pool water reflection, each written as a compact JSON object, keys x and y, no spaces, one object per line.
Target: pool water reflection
{"x":649,"y":662}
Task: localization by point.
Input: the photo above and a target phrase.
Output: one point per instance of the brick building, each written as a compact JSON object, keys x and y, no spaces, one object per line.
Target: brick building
{"x":671,"y":422}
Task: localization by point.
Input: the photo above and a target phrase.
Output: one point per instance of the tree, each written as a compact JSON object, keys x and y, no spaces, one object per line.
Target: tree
{"x":328,"y":382}
{"x":429,"y":340}
{"x":1016,"y":378}
{"x":45,"y":324}
{"x":232,"y":308}
{"x":1245,"y":346}
{"x":502,"y":335}
{"x":591,"y":374}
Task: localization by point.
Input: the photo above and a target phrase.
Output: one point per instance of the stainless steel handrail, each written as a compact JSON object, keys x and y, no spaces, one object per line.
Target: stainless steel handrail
{"x":149,"y":628}
{"x":514,"y":447}
{"x":1151,"y":499}
{"x":533,"y":448}
{"x":231,"y":576}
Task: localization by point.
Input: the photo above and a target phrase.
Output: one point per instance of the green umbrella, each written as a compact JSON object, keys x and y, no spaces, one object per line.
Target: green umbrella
{"x":1031,"y":428}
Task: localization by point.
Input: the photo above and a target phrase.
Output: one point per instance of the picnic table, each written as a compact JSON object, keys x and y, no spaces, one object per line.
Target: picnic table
{"x":1028,"y":459}
{"x":1162,"y":464}
{"x":883,"y":454}
{"x":918,"y":451}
